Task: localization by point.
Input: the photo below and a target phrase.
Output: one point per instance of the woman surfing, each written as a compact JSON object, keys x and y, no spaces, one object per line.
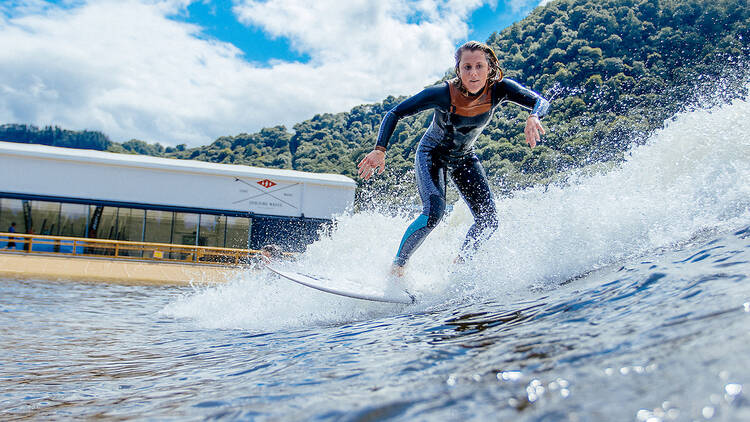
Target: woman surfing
{"x":463,"y":108}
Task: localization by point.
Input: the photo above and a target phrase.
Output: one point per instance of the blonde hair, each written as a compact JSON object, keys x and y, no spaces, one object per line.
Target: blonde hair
{"x":495,"y":74}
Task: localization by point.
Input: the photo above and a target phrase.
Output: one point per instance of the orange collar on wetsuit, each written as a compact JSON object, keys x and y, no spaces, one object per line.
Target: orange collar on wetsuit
{"x":470,"y":105}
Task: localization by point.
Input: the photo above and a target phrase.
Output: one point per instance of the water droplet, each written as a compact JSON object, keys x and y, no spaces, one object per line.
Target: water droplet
{"x":746,"y":306}
{"x":733,"y":389}
{"x":708,"y":412}
{"x":451,"y":380}
{"x":564,"y":392}
{"x":509,"y":375}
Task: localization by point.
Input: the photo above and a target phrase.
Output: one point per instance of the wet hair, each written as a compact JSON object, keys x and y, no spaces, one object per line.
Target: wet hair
{"x":495,"y":73}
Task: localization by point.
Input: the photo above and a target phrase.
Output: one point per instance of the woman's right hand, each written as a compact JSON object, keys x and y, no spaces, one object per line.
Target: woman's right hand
{"x":373,"y":161}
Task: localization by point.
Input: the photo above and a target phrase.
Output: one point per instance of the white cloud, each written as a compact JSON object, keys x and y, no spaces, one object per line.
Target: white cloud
{"x":124,"y":68}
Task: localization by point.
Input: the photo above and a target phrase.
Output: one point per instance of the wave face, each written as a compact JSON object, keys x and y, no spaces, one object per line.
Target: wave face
{"x":689,"y":178}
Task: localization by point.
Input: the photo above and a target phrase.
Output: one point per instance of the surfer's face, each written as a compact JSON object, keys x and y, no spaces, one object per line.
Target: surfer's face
{"x":473,"y":70}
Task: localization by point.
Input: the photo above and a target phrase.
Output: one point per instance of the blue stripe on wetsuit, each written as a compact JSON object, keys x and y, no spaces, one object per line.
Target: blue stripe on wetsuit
{"x":419,"y":223}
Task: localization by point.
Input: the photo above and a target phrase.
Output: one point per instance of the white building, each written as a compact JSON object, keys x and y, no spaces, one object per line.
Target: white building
{"x":85,"y":193}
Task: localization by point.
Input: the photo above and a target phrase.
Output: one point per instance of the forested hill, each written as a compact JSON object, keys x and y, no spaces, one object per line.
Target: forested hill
{"x":614,"y":70}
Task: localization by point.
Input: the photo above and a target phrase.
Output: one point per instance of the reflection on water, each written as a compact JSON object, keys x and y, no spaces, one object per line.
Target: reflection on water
{"x":663,"y":338}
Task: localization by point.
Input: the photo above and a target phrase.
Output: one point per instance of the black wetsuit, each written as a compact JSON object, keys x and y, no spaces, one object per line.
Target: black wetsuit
{"x":447,"y":145}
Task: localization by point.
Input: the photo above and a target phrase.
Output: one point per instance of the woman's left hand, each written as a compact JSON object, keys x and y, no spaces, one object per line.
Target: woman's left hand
{"x":533,"y":131}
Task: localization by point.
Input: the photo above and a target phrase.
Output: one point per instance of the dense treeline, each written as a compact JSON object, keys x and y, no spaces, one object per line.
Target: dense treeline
{"x":54,"y":136}
{"x":614,"y":70}
{"x":87,"y":139}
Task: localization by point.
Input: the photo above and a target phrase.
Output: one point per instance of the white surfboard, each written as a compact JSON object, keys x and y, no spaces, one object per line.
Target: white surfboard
{"x":347,"y":288}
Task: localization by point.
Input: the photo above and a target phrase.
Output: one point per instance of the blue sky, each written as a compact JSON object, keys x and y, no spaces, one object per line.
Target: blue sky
{"x":218,"y":21}
{"x":184,"y":71}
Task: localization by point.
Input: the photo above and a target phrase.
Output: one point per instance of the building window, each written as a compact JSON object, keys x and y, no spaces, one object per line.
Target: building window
{"x":130,"y":224}
{"x":159,"y":226}
{"x":212,"y":230}
{"x":130,"y":227}
{"x":73,"y":220}
{"x":185,"y":228}
{"x":106,"y":222}
{"x":103,"y":222}
{"x":237,"y":231}
{"x":11,"y":211}
{"x":45,"y":217}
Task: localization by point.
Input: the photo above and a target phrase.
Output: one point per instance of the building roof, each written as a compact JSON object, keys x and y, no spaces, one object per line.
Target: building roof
{"x":66,"y":174}
{"x":146,"y":161}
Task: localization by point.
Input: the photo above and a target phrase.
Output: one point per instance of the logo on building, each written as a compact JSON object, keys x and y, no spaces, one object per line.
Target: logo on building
{"x":270,"y":195}
{"x":266,"y":183}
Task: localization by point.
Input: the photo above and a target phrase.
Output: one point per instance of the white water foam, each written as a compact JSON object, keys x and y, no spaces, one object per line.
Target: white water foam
{"x":689,"y":177}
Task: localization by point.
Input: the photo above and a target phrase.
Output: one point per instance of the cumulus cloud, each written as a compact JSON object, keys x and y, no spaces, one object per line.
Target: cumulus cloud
{"x":362,"y":48}
{"x":125,"y":68}
{"x":120,"y":67}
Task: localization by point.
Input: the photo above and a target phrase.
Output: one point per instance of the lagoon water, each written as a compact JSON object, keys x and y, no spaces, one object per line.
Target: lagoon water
{"x":621,"y":293}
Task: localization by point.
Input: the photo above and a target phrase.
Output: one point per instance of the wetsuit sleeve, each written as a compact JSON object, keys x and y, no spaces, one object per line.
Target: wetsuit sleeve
{"x":510,"y":90}
{"x":434,"y":96}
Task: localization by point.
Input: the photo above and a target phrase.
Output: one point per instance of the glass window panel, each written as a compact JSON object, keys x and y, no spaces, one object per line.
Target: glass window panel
{"x":237,"y":231}
{"x":107,"y":224}
{"x":11,"y":211}
{"x":130,"y":228}
{"x":102,"y":224}
{"x":46,"y":217}
{"x":46,"y":221}
{"x":185,"y":227}
{"x":212,"y":230}
{"x":130,"y":224}
{"x":73,"y":220}
{"x":159,"y":226}
{"x":72,"y":224}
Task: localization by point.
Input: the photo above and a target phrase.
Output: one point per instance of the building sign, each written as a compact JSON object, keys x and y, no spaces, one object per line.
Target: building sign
{"x":266,"y":183}
{"x":269,"y":197}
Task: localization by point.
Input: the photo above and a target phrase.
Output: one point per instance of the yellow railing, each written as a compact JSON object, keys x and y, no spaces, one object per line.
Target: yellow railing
{"x":121,"y":249}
